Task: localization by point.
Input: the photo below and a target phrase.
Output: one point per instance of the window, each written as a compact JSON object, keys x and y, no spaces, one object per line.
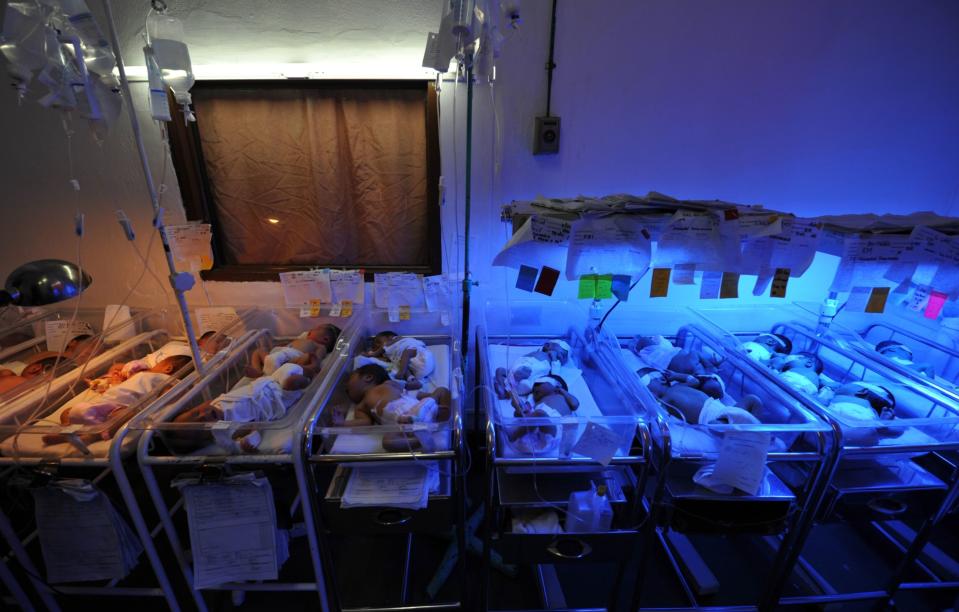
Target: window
{"x":323,"y":173}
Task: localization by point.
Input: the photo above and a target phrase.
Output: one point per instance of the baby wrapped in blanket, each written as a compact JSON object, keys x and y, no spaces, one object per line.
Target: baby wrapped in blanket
{"x":549,"y":358}
{"x":115,"y":401}
{"x":406,"y":358}
{"x":263,"y":399}
{"x":901,"y":354}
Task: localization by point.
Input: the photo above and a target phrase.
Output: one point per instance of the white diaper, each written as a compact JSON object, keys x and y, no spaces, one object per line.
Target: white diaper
{"x":799,"y":382}
{"x":263,"y":399}
{"x":537,"y":441}
{"x":714,"y":412}
{"x":421,"y":365}
{"x":757,"y":352}
{"x":659,"y":355}
{"x":15,"y":366}
{"x":421,"y":411}
{"x":853,"y":411}
{"x":538,"y":367}
{"x":279,"y":356}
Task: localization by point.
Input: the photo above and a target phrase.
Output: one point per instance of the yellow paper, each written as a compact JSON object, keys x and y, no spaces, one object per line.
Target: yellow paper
{"x":780,"y":280}
{"x":315,"y":308}
{"x":877,"y":300}
{"x":660,"y":284}
{"x":404,"y":313}
{"x":346,"y":308}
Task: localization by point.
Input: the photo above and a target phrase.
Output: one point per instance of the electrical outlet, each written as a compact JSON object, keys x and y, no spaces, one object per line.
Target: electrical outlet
{"x":546,"y":135}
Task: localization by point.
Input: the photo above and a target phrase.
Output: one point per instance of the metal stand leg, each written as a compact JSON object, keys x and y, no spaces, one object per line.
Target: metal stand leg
{"x":20,"y":553}
{"x":14,"y":587}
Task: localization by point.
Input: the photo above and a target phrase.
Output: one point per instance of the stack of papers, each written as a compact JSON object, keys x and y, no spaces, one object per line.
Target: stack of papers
{"x":233,"y":532}
{"x":82,"y":536}
{"x":392,"y":486}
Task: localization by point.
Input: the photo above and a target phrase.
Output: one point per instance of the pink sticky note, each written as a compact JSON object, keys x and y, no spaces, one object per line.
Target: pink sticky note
{"x":936,"y":302}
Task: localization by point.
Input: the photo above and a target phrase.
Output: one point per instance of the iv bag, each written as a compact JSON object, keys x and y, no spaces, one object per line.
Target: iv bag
{"x":22,"y":41}
{"x":97,"y":53}
{"x":165,"y":34}
{"x":158,"y":103}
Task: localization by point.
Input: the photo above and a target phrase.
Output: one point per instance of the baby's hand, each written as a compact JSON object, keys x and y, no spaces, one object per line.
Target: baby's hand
{"x":412,"y":384}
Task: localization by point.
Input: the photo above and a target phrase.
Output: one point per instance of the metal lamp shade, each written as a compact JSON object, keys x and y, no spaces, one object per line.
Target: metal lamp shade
{"x":45,"y":281}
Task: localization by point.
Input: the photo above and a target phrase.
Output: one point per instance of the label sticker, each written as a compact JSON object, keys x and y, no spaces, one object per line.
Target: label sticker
{"x":620,"y":286}
{"x":547,"y":281}
{"x":315,"y":308}
{"x":335,"y":310}
{"x":527,"y":278}
{"x":346,"y":309}
{"x":587,"y":287}
{"x":780,"y":280}
{"x":598,"y":443}
{"x":404,"y":313}
{"x":659,"y":286}
{"x":877,"y":300}
{"x":937,"y":300}
{"x":742,"y":460}
{"x":709,"y":290}
{"x":684,"y":274}
{"x":604,"y":286}
{"x":730,"y":285}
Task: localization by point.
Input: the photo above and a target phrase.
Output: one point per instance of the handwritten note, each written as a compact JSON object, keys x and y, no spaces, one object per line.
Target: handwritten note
{"x":550,"y":230}
{"x":438,"y":294}
{"x":742,"y":460}
{"x":301,"y":288}
{"x":659,"y":285}
{"x":617,"y":242}
{"x":709,"y":290}
{"x":232,"y":532}
{"x":598,"y":443}
{"x":393,"y":486}
{"x":347,"y":285}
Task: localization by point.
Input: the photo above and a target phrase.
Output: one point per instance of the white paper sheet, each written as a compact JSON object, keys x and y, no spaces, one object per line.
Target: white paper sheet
{"x":117,"y":317}
{"x":395,"y":289}
{"x":217,"y":319}
{"x":543,"y":247}
{"x":190,"y":244}
{"x":742,"y":460}
{"x":348,"y":286}
{"x":82,"y":540}
{"x":598,"y":443}
{"x":438,"y":294}
{"x":393,"y":486}
{"x":301,"y":288}
{"x":232,"y":532}
{"x":61,"y":331}
{"x":617,"y":244}
{"x":692,"y":237}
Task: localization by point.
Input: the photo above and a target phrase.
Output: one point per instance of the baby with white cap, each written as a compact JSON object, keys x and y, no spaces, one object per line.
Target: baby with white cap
{"x":532,"y":366}
{"x":900,"y":354}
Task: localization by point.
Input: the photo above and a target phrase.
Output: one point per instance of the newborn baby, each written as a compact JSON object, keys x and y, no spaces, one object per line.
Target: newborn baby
{"x":551,"y":399}
{"x":534,"y":365}
{"x":801,"y":371}
{"x":408,"y":359}
{"x":307,"y":350}
{"x":764,"y":347}
{"x":680,"y":366}
{"x":116,"y":400}
{"x":266,"y":398}
{"x":694,"y":406}
{"x":900,"y":353}
{"x":379,"y":400}
{"x":79,"y":348}
{"x":862,"y":401}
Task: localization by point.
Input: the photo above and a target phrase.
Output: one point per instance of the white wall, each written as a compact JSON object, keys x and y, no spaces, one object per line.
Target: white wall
{"x":810,"y":107}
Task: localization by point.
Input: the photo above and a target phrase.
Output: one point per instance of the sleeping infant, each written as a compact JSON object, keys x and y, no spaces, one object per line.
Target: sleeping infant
{"x":553,"y":355}
{"x":902,"y":354}
{"x":379,"y":400}
{"x":862,"y":401}
{"x":116,"y":400}
{"x":764,"y":347}
{"x":694,"y":406}
{"x":407,"y":359}
{"x":14,"y":374}
{"x":307,"y":351}
{"x":551,"y":399}
{"x":679,"y":366}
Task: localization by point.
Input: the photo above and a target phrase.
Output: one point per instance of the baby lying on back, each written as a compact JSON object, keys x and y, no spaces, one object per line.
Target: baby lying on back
{"x":548,"y":359}
{"x":405,"y":358}
{"x":307,"y":351}
{"x":116,"y":400}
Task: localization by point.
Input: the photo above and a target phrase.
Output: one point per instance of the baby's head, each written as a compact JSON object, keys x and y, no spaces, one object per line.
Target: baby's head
{"x":641,"y":342}
{"x":80,"y":347}
{"x":558,"y":350}
{"x":878,"y":397}
{"x":212,"y":342}
{"x":364,"y":378}
{"x":325,"y":335}
{"x":893,"y":348}
{"x":38,"y":366}
{"x":171,"y":364}
{"x":776,"y":343}
{"x":547,"y":385}
{"x":803,"y":361}
{"x":384,"y":339}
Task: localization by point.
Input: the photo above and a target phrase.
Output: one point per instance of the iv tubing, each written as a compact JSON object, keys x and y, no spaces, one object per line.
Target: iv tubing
{"x":154,"y":199}
{"x":467,"y":283}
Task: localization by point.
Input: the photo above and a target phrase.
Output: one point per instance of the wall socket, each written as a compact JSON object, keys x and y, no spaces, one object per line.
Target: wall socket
{"x":546,"y":135}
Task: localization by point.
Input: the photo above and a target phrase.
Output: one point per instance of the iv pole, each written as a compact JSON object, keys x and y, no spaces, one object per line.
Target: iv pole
{"x":181,"y":282}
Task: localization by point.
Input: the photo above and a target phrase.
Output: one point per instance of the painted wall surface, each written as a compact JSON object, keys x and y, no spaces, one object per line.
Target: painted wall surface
{"x":811,"y":107}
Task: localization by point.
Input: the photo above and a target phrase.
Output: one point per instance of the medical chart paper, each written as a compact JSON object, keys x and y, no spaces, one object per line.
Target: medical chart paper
{"x":82,"y":540}
{"x":117,"y":317}
{"x":232,"y":532}
{"x":59,"y":333}
{"x":217,"y":318}
{"x":190,"y":244}
{"x":392,"y":486}
{"x":301,"y":288}
{"x":607,"y":244}
{"x":598,"y":443}
{"x":742,"y":460}
{"x":347,"y":286}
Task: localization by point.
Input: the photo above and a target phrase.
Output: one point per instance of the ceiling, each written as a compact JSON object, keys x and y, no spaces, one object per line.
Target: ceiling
{"x":334,"y":37}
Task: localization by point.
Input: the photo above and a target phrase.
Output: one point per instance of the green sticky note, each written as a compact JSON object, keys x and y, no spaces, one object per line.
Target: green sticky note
{"x":587,"y":287}
{"x":604,"y":286}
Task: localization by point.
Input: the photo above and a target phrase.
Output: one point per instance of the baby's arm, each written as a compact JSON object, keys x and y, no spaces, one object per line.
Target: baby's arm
{"x":362,"y":416}
{"x":255,"y":369}
{"x":571,"y":400}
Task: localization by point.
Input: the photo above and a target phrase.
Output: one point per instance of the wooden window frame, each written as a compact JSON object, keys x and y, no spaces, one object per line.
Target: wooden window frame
{"x":197,"y":195}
